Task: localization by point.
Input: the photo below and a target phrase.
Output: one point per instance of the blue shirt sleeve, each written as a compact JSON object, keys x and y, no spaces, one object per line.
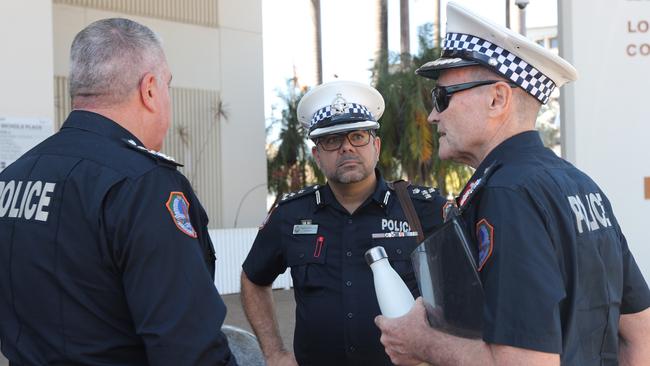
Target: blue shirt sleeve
{"x":266,"y":259}
{"x":175,"y":306}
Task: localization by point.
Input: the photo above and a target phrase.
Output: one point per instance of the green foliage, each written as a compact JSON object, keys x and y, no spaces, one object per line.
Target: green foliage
{"x":409,"y":143}
{"x":290,"y":165}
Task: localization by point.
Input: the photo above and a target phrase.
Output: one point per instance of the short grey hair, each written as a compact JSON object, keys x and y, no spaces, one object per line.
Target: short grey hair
{"x":109,"y":57}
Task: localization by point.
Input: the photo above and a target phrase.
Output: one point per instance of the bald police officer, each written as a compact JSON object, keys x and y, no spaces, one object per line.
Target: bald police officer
{"x":322,"y":233}
{"x":105,"y":257}
{"x":560,"y":283}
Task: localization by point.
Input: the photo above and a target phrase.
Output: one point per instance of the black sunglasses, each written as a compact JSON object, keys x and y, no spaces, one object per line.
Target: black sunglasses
{"x":442,"y":94}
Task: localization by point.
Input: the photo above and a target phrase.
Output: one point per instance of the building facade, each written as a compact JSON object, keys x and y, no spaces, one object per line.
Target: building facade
{"x":214,"y":50}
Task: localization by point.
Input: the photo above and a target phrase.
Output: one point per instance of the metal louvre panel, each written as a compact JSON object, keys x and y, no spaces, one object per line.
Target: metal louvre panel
{"x":62,"y":102}
{"x":197,"y":12}
{"x":231,"y":248}
{"x":192,"y":140}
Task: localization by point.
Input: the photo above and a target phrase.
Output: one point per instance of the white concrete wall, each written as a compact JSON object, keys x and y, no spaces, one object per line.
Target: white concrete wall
{"x":242,"y":146}
{"x":227,"y":59}
{"x":606,"y":117}
{"x":26,"y":83}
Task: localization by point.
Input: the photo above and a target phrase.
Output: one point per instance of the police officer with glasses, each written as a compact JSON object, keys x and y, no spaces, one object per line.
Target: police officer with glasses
{"x":322,"y":233}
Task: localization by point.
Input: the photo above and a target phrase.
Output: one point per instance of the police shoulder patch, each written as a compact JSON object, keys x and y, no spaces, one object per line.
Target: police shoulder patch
{"x":179,"y":208}
{"x":485,"y":238}
{"x":300,"y":193}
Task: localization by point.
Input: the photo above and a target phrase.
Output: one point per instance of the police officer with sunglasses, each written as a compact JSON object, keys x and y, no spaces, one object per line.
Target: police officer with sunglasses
{"x":561,"y":285}
{"x":322,"y":233}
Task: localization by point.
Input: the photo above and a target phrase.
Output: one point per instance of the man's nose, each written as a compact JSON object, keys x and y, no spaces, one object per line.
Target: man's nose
{"x":346,"y":145}
{"x":433,"y":116}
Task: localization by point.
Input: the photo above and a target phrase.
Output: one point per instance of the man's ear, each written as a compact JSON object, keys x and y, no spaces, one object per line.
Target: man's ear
{"x":314,"y":153}
{"x":148,"y":91}
{"x":377,"y":144}
{"x":501,"y":98}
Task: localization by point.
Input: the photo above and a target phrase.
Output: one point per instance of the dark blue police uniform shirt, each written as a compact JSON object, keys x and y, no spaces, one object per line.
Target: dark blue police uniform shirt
{"x":555,"y":266}
{"x":335,"y":296}
{"x":94,"y":269}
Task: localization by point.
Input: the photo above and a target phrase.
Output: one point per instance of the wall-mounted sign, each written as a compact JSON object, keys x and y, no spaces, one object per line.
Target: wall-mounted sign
{"x":18,"y":135}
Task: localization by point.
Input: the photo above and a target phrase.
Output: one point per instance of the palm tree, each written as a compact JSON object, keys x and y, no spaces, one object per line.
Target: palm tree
{"x":289,"y":161}
{"x":409,"y":142}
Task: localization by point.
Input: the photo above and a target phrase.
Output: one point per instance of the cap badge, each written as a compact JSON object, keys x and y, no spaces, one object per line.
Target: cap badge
{"x":338,"y":105}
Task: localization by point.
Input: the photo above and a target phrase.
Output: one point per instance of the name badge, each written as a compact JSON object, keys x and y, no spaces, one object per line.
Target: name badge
{"x":394,"y":234}
{"x":305,"y":229}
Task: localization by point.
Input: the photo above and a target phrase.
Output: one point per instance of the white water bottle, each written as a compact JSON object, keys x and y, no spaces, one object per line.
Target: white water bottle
{"x":394,"y":297}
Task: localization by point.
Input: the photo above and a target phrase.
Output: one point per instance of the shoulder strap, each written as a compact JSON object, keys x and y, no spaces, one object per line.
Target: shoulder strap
{"x":407,"y":206}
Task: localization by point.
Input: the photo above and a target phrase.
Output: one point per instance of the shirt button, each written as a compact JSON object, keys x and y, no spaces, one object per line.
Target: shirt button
{"x":352,"y":349}
{"x":399,"y":251}
{"x":349,"y":253}
{"x":349,"y":283}
{"x":301,"y":255}
{"x":349,"y":220}
{"x":350,"y":315}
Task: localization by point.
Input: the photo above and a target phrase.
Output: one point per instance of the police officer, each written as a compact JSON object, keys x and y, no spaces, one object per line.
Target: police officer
{"x":560,"y":283}
{"x":322,"y":233}
{"x":105,"y":257}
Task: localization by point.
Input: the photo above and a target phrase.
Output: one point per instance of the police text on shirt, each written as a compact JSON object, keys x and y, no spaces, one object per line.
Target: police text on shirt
{"x":28,"y":200}
{"x":395,"y":225}
{"x":594,"y":216}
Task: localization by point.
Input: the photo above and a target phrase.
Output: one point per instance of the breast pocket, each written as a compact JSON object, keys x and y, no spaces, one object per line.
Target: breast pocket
{"x":306,"y":255}
{"x":399,"y":255}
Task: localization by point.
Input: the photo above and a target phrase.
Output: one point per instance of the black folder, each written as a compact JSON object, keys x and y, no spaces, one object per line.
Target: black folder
{"x":445,"y":268}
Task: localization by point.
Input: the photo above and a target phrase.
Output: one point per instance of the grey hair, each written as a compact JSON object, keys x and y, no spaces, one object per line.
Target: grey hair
{"x":109,"y":57}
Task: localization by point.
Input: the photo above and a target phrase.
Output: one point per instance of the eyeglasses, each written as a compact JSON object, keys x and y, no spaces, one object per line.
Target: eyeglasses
{"x":334,"y":142}
{"x":442,"y":94}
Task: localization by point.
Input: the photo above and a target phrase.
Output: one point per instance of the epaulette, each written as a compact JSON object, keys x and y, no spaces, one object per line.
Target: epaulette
{"x":300,"y":193}
{"x":422,"y":193}
{"x":475,"y":186}
{"x":166,"y":159}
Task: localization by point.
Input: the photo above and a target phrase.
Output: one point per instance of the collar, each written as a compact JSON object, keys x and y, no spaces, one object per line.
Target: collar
{"x":378,"y":196}
{"x":98,"y":124}
{"x":509,"y":150}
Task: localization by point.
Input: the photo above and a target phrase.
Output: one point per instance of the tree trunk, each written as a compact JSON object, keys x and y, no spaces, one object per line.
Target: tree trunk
{"x":404,"y":30}
{"x":382,"y":33}
{"x":438,"y":26}
{"x":315,"y":5}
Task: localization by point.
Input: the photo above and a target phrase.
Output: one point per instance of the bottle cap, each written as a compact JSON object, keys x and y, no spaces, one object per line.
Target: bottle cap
{"x":375,"y":254}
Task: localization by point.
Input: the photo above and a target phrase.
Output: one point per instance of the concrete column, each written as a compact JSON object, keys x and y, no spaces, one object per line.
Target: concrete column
{"x":243,"y":135}
{"x":26,"y":61}
{"x":605,"y":127}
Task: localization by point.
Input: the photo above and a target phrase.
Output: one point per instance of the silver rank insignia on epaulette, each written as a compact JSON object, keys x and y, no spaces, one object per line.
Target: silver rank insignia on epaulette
{"x":302,"y":192}
{"x":425,"y":192}
{"x":155,"y":153}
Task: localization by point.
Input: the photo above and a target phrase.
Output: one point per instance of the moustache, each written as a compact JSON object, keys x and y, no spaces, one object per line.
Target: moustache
{"x":346,"y":159}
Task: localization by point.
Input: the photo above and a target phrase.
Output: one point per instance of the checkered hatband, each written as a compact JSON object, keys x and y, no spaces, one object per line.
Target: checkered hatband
{"x":350,"y":108}
{"x":505,"y":63}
